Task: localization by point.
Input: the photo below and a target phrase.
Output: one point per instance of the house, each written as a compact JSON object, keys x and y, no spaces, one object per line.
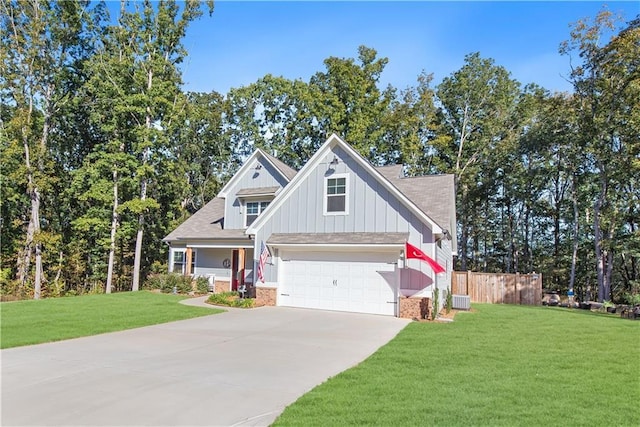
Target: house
{"x":335,"y":232}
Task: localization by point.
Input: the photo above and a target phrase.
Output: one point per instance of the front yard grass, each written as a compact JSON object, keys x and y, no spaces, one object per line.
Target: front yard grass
{"x":500,"y":365}
{"x":34,"y":322}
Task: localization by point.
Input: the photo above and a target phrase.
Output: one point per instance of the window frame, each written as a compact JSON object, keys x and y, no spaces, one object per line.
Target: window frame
{"x":326,"y":195}
{"x":183,"y":263}
{"x":260,"y":209}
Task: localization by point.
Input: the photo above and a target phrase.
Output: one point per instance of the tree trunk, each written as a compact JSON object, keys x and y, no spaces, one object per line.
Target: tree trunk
{"x":576,"y":229}
{"x":135,"y":286}
{"x":464,"y":235}
{"x":33,"y":228}
{"x":608,"y":274}
{"x":600,"y":260}
{"x":139,"y":236}
{"x":138,"y":254}
{"x":35,"y":201}
{"x":114,"y":227}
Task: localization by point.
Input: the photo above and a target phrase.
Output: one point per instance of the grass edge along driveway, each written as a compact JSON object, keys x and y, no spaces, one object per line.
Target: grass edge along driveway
{"x":500,"y":365}
{"x":40,"y":321}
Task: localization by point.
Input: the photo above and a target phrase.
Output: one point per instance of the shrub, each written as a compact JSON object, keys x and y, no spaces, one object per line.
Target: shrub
{"x":244,"y":303}
{"x":167,"y":282}
{"x":153,"y":281}
{"x":448,"y":301}
{"x":231,"y":299}
{"x":631,"y":298}
{"x":223,"y":298}
{"x":436,"y":303}
{"x":202,"y":285}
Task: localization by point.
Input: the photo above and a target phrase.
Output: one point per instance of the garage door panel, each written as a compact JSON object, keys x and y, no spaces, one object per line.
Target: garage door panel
{"x":343,"y":281}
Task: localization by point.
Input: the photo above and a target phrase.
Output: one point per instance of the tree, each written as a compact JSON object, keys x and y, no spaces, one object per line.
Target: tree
{"x":204,"y":156}
{"x":152,"y":50}
{"x":294,"y":118}
{"x":477,"y":104}
{"x":411,"y":126}
{"x":43,"y":44}
{"x":607,"y":85}
{"x":350,"y":103}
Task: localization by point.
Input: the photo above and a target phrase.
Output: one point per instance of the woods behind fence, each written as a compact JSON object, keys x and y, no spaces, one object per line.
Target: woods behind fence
{"x":498,"y":288}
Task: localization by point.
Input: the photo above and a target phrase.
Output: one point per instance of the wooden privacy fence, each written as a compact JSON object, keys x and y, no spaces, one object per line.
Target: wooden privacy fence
{"x":498,"y":288}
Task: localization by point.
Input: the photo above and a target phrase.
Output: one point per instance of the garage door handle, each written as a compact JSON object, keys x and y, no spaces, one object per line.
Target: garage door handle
{"x":285,"y":295}
{"x":392,"y":302}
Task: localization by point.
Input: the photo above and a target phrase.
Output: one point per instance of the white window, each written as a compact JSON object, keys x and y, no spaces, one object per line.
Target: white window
{"x":254,"y":209}
{"x":179,"y":261}
{"x":336,"y":195}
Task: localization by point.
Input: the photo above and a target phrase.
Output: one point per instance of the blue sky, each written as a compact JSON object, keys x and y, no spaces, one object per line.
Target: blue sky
{"x":243,"y":41}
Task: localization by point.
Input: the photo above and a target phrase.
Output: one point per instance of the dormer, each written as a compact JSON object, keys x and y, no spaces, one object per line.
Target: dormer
{"x":250,"y":191}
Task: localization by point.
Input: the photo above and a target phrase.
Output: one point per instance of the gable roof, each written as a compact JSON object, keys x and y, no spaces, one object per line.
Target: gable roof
{"x":331,"y":239}
{"x":285,"y":171}
{"x":206,"y":223}
{"x":257,"y":191}
{"x":391,"y":171}
{"x":333,"y":141}
{"x":282,"y":167}
{"x":433,"y":194}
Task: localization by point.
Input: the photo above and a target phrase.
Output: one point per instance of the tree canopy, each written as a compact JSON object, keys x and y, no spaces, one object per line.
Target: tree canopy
{"x":104,"y":153}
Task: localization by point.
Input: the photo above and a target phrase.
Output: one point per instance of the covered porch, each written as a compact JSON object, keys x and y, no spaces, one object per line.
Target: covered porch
{"x":227,"y":266}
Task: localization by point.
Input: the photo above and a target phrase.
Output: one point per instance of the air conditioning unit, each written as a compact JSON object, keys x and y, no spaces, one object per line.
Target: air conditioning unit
{"x":461,"y":302}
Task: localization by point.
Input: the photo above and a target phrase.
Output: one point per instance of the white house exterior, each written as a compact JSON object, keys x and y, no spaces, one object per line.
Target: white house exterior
{"x":335,"y":231}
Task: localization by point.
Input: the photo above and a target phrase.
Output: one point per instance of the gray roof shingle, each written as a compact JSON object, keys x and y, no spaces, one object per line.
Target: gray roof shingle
{"x":258,"y":191}
{"x":205,"y":224}
{"x":391,"y":172}
{"x":286,"y":170}
{"x":432,"y":194}
{"x":338,"y":238}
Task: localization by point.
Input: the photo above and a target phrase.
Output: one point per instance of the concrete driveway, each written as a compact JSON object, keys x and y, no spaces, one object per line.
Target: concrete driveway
{"x":242,"y":367}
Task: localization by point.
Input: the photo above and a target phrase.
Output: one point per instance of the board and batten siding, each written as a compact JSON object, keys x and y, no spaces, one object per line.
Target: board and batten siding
{"x":371,"y":208}
{"x":445,"y":259}
{"x":267,"y":176}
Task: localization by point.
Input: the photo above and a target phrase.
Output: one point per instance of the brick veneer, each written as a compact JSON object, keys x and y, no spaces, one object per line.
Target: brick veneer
{"x":266,"y":296}
{"x":415,"y":308}
{"x":221,"y":286}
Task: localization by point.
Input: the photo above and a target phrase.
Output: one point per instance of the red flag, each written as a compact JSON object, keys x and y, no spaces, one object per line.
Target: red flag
{"x":413,"y":252}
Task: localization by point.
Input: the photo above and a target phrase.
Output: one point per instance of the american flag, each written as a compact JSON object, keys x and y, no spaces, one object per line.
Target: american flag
{"x":264,"y":254}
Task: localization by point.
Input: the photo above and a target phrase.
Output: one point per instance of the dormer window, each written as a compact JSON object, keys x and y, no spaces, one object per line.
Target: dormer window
{"x":254,"y":209}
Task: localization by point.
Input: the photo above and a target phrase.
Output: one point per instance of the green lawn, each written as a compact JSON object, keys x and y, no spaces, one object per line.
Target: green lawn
{"x":34,"y":322}
{"x":501,"y":365}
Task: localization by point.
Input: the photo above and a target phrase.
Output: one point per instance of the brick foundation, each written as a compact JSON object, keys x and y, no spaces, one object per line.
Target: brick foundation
{"x":221,"y":286}
{"x":415,"y":308}
{"x":266,"y":296}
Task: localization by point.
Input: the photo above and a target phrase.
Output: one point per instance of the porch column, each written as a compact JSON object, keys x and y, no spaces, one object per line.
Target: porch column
{"x":241,"y":256}
{"x":187,"y":268}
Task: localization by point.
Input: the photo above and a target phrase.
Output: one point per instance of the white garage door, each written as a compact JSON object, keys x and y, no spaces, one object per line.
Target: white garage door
{"x":342,"y":281}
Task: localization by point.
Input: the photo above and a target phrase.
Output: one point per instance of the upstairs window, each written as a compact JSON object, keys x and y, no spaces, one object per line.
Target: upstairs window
{"x":254,"y":209}
{"x":336,"y":195}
